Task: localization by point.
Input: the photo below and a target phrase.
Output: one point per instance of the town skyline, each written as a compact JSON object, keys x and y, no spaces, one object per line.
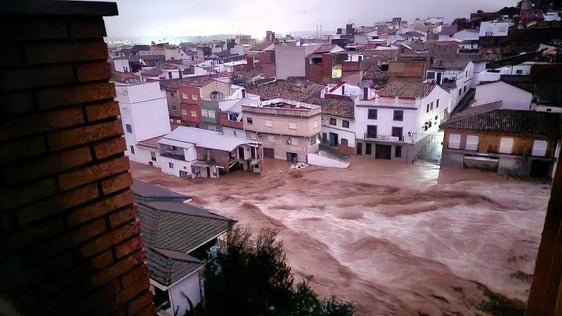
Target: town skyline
{"x":197,"y":18}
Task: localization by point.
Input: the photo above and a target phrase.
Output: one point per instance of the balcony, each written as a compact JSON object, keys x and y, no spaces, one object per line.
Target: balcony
{"x":176,"y":156}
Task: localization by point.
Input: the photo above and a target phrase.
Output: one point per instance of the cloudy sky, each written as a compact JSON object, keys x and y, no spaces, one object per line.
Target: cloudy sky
{"x":203,"y":17}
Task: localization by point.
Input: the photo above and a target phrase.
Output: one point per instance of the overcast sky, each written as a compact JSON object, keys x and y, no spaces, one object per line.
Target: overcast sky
{"x":207,"y":17}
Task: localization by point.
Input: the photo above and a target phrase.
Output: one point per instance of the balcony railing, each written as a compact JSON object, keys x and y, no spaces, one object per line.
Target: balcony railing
{"x":173,"y":155}
{"x":386,"y":138}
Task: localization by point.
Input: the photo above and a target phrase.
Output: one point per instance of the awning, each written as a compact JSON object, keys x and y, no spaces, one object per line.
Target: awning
{"x":171,"y":142}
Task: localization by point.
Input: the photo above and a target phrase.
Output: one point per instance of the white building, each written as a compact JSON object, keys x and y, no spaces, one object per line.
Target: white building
{"x":399,"y":121}
{"x":494,"y":28}
{"x":513,"y":98}
{"x":144,"y":115}
{"x":453,"y":73}
{"x":290,"y":60}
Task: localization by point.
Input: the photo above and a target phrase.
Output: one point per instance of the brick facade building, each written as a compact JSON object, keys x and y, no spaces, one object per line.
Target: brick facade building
{"x":70,"y":243}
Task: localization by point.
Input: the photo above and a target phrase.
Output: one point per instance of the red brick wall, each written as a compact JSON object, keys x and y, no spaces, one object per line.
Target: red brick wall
{"x":194,"y":121}
{"x":224,"y":121}
{"x":69,"y":240}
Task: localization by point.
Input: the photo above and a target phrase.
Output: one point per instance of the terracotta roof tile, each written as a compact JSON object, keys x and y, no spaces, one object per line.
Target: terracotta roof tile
{"x":406,"y":89}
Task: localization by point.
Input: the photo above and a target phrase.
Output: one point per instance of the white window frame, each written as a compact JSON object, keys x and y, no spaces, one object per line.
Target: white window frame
{"x":204,"y":113}
{"x":454,"y":141}
{"x":194,"y":97}
{"x":193,"y":113}
{"x":539,"y":148}
{"x":472,"y":142}
{"x":268,"y":123}
{"x":292,"y":125}
{"x":506,"y":145}
{"x":211,"y":114}
{"x":184,"y":96}
{"x":315,"y":124}
{"x":184,"y":112}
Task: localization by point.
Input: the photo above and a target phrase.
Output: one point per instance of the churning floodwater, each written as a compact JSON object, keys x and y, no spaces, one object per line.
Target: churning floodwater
{"x":396,"y":239}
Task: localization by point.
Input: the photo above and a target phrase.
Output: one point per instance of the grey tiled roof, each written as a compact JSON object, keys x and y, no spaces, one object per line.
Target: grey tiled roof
{"x":510,"y":121}
{"x":179,"y":226}
{"x":168,"y":267}
{"x":285,"y":89}
{"x":150,"y":192}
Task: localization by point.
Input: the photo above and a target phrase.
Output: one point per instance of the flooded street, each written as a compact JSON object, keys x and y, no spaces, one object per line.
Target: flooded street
{"x":396,"y":239}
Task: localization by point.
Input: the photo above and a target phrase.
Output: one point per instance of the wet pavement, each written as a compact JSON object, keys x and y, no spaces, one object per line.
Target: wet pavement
{"x":396,"y":239}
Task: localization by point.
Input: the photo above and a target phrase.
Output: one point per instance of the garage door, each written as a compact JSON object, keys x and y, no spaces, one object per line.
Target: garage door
{"x":269,"y":152}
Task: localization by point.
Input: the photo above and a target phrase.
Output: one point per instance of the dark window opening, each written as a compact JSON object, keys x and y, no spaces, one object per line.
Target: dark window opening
{"x":345,"y":124}
{"x":398,"y":115}
{"x":372,"y":114}
{"x":398,"y":151}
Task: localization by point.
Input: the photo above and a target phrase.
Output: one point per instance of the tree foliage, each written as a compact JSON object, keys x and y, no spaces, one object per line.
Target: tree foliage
{"x":250,"y":276}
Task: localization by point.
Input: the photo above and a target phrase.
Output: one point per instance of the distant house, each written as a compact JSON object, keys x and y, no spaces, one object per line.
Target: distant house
{"x":338,"y":122}
{"x":178,"y":239}
{"x":288,"y":129}
{"x":519,"y":143}
{"x":399,"y":120}
{"x":290,"y":60}
{"x":189,"y":152}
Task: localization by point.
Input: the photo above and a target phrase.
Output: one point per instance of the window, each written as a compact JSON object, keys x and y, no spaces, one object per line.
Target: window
{"x":268,"y":123}
{"x":204,"y":113}
{"x":471,"y":142}
{"x":315,"y":124}
{"x":172,"y":94}
{"x":519,"y":72}
{"x":506,"y":145}
{"x":174,"y":108}
{"x":249,"y":121}
{"x":132,"y":149}
{"x":271,"y":138}
{"x":427,"y":108}
{"x":294,"y":141}
{"x":464,"y":89}
{"x":359,"y":149}
{"x":430,"y":75}
{"x":292,"y":125}
{"x":344,"y":142}
{"x":152,"y":156}
{"x":398,"y":152}
{"x":251,"y":135}
{"x":184,"y":112}
{"x":431,"y":107}
{"x":193,"y":113}
{"x":372,"y":114}
{"x":398,"y":115}
{"x":371,"y":131}
{"x":194,"y":97}
{"x":211,"y":114}
{"x":184,"y":95}
{"x":129,"y":128}
{"x":368,"y":149}
{"x":539,"y":148}
{"x":333,"y":121}
{"x":454,"y":141}
{"x":437,"y":103}
{"x":345,"y":123}
{"x":460,"y":91}
{"x":397,"y":132}
{"x":171,"y":165}
{"x":313,"y":139}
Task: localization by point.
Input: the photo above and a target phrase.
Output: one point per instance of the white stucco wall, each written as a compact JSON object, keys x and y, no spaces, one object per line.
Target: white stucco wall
{"x":512,"y":97}
{"x":290,"y":60}
{"x":178,"y":165}
{"x":121,"y":65}
{"x":317,"y":160}
{"x":347,"y":133}
{"x":191,"y":288}
{"x":143,"y":155}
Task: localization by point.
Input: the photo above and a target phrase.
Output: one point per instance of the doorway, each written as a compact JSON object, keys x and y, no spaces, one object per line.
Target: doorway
{"x":383,"y":152}
{"x":540,"y":169}
{"x":292,"y":157}
{"x":240,"y":153}
{"x":333,"y":139}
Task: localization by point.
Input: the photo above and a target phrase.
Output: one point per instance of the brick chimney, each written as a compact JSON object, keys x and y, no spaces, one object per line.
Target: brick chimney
{"x":70,"y":244}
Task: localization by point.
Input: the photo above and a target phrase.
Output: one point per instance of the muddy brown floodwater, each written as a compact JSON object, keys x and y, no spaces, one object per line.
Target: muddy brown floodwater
{"x":396,"y":239}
